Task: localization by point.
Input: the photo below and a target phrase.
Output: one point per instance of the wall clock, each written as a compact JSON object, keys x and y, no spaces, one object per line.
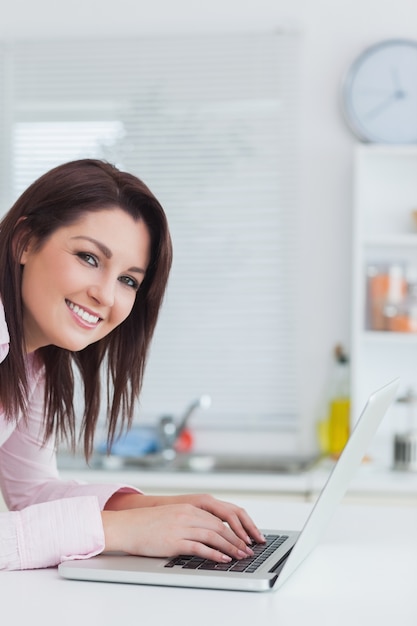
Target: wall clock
{"x":379,"y":93}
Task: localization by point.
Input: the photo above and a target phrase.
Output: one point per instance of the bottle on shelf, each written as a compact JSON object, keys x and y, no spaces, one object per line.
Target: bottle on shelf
{"x":377,"y":289}
{"x":339,"y":404}
{"x":391,"y":298}
{"x":395,"y":316}
{"x":333,"y":427}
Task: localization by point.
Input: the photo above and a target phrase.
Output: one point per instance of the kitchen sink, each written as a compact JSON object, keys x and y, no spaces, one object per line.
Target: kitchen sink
{"x":215,"y":462}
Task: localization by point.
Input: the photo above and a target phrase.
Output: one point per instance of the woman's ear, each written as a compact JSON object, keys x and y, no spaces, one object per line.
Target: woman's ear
{"x":25,"y":253}
{"x":22,"y":241}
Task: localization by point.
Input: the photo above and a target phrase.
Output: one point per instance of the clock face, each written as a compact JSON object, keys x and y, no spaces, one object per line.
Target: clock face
{"x":380,"y":93}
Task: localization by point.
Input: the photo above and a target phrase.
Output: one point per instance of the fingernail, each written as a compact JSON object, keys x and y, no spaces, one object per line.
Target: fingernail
{"x":249,"y":551}
{"x":241,"y":554}
{"x":226,"y":558}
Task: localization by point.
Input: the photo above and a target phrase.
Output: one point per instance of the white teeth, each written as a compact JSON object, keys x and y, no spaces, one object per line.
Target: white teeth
{"x":91,"y":319}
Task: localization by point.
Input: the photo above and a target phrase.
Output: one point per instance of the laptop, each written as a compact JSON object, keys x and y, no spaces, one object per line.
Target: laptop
{"x":273,"y":562}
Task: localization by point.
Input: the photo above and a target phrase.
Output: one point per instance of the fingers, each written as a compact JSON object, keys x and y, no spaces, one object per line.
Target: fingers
{"x":243,"y":526}
{"x":229,"y":543}
{"x":203,"y":551}
{"x":236,"y":517}
{"x":208,"y":529}
{"x":215,"y":545}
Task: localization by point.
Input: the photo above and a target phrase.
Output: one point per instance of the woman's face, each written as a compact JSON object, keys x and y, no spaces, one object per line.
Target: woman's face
{"x":83,"y":280}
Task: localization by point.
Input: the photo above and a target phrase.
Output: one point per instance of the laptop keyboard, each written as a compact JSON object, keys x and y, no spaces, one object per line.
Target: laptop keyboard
{"x":262,"y":551}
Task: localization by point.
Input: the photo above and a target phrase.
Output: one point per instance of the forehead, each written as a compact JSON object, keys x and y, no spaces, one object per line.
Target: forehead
{"x":114,"y":230}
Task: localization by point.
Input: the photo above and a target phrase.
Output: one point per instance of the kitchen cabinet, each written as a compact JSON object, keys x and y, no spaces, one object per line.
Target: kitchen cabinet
{"x":384,"y":271}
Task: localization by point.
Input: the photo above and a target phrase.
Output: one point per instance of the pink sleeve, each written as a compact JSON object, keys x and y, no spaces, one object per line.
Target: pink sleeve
{"x":28,"y":471}
{"x":45,"y":534}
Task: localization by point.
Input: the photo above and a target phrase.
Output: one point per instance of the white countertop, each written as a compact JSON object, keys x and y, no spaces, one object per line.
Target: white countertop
{"x":348,"y":579}
{"x":372,"y":481}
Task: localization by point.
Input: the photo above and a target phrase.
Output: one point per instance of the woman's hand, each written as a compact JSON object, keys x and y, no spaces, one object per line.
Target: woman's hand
{"x":166,"y":526}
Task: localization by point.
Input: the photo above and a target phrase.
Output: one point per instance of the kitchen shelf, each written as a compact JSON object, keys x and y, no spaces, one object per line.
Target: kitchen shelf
{"x":384,"y":234}
{"x":395,"y":241}
{"x":389,"y":338}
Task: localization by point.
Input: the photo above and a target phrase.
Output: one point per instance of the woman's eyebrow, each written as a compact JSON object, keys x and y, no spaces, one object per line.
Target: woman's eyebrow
{"x":106,"y":251}
{"x":101,"y":246}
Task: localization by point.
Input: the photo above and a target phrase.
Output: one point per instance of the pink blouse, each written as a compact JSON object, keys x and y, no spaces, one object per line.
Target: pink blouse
{"x":49,"y":520}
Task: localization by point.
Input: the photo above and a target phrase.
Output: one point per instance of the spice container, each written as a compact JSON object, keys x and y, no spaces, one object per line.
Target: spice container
{"x":405,"y":442}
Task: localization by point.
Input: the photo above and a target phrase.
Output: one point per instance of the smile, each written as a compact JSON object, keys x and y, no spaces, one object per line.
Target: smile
{"x":82,"y":314}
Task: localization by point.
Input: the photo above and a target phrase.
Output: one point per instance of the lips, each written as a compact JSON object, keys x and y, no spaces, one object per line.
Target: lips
{"x":84,"y":315}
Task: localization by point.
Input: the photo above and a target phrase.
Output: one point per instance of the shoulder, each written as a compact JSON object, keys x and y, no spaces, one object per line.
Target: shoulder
{"x":4,"y":335}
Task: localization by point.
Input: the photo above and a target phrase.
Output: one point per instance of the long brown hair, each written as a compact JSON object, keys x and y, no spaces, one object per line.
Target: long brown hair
{"x":56,"y":199}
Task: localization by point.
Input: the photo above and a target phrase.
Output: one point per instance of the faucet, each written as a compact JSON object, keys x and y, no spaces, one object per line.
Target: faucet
{"x":169,"y":431}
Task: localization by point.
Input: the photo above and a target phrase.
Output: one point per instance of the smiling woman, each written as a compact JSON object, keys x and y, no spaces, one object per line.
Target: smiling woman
{"x":89,"y":273}
{"x":85,"y":255}
{"x":87,"y":234}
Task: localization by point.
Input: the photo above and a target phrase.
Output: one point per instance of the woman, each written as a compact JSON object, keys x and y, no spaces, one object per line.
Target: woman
{"x":85,"y":255}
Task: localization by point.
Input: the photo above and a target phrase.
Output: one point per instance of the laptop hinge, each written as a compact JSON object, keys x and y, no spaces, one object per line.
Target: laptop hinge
{"x":280,"y":564}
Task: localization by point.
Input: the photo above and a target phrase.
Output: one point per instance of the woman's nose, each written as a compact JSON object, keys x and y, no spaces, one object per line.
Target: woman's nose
{"x":103,"y":292}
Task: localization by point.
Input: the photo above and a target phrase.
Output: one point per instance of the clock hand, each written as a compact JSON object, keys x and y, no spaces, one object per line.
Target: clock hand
{"x":383,"y":105}
{"x":399,"y":91}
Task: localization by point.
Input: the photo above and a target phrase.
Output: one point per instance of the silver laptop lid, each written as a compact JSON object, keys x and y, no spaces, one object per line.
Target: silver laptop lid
{"x":340,"y":477}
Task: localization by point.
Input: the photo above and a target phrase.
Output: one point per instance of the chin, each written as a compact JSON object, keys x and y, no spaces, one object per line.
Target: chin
{"x":76,"y":341}
{"x":75,"y":346}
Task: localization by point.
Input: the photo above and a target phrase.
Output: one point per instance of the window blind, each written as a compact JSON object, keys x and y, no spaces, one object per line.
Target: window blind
{"x":209,"y":123}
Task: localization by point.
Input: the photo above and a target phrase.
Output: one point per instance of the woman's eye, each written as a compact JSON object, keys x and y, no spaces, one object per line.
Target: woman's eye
{"x":88,"y":258}
{"x":130,"y":282}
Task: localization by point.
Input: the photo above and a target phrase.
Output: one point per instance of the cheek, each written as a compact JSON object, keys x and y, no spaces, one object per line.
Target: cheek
{"x":123,"y":306}
{"x":47,"y":281}
{"x":49,"y":277}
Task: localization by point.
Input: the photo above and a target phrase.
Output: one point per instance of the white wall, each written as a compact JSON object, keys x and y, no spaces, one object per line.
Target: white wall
{"x":335,"y":31}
